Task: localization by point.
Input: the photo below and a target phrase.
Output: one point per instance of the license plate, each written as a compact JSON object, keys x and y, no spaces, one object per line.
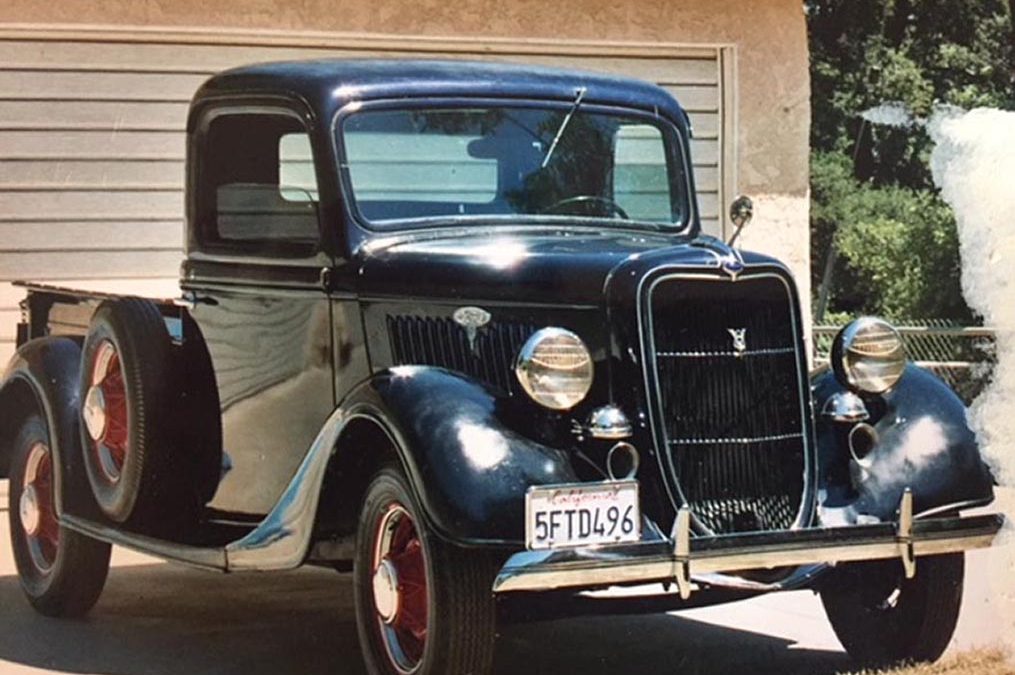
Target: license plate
{"x":583,"y":514}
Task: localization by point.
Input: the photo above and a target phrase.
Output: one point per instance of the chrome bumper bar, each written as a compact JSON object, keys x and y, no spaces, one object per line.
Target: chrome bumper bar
{"x":676,"y":558}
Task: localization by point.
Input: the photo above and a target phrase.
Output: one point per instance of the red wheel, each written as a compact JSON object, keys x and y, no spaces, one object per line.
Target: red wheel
{"x":423,"y":606}
{"x":62,"y":572}
{"x":400,"y":588}
{"x":37,"y":508}
{"x":105,"y":412}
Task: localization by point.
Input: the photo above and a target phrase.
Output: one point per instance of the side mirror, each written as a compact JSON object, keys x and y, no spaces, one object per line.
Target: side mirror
{"x":741,"y":212}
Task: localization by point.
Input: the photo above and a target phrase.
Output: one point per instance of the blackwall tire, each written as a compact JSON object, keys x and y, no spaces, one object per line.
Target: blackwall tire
{"x":881,"y":618}
{"x":62,"y":573}
{"x":129,"y":394}
{"x":457,"y":633}
{"x":200,"y":438}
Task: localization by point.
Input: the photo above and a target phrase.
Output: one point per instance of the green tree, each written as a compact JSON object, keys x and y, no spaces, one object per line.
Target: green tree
{"x":872,"y":195}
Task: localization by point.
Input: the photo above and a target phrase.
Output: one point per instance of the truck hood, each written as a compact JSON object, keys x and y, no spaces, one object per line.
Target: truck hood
{"x":551,"y":267}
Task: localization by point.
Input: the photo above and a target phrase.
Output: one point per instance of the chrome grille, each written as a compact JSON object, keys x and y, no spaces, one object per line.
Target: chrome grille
{"x":730,"y":414}
{"x":439,"y":341}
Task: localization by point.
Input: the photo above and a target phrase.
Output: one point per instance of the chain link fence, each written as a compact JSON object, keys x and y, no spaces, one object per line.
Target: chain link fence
{"x":963,"y":356}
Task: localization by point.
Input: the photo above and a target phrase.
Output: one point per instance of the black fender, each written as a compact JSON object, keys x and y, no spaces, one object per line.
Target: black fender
{"x":924,"y":444}
{"x":44,"y":376}
{"x":469,"y":468}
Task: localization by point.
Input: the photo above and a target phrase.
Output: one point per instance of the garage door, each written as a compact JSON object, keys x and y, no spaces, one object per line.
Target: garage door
{"x":92,"y":137}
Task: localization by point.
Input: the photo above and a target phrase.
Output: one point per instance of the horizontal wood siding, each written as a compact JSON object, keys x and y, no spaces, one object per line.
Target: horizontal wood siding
{"x":92,"y":139}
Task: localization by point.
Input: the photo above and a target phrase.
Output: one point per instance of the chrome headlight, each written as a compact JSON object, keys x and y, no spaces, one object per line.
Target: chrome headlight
{"x":554,"y":367}
{"x":868,"y":355}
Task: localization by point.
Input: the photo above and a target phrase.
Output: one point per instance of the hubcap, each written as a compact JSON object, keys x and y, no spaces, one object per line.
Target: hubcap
{"x":95,"y":412}
{"x":29,"y":509}
{"x":105,"y":412}
{"x":400,"y":591}
{"x":37,"y":508}
{"x":386,"y":591}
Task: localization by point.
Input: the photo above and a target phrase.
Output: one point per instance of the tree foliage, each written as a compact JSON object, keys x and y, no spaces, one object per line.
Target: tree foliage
{"x":872,"y":194}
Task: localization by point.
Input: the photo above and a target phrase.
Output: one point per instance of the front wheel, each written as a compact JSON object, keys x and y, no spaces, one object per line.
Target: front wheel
{"x":881,"y":617}
{"x":62,"y":572}
{"x":423,"y":606}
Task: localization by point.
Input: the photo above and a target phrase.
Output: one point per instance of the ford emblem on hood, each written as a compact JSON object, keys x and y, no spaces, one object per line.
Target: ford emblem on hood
{"x":471,"y":319}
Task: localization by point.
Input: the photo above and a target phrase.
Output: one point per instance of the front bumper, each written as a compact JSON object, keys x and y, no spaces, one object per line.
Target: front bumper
{"x":676,"y":558}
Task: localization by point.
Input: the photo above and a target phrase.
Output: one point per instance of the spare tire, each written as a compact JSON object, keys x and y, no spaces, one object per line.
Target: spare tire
{"x":129,"y":398}
{"x":200,"y":437}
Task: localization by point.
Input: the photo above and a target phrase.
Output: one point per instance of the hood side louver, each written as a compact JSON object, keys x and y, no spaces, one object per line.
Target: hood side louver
{"x":442,"y":343}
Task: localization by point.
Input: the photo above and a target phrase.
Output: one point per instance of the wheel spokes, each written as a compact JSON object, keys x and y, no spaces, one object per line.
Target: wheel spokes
{"x":111,"y":439}
{"x":38,"y":508}
{"x":401,"y":549}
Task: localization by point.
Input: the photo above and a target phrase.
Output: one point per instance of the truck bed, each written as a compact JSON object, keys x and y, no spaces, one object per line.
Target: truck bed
{"x":57,"y":310}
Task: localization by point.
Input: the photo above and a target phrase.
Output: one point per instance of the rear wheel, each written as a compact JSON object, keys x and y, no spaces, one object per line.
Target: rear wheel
{"x":881,"y":617}
{"x":62,"y":572}
{"x":423,"y":606}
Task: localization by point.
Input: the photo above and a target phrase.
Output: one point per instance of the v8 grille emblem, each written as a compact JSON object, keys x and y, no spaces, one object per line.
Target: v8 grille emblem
{"x":739,"y":336}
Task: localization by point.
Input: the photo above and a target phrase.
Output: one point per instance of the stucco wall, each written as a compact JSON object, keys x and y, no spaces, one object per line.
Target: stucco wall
{"x":771,"y":80}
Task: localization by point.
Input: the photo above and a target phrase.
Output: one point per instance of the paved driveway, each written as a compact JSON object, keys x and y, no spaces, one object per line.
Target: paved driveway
{"x":162,"y":619}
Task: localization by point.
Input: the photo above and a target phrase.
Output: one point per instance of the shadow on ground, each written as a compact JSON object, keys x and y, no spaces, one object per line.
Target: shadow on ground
{"x":163,"y":620}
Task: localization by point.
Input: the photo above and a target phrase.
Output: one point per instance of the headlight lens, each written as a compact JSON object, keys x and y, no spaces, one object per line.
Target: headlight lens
{"x":868,"y":355}
{"x":554,"y":367}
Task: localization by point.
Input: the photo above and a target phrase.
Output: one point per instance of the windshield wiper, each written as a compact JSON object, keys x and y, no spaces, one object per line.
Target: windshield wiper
{"x":579,"y":95}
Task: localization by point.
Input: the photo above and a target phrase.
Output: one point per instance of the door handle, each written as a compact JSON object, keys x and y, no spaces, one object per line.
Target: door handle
{"x":190,"y":300}
{"x":325,"y":279}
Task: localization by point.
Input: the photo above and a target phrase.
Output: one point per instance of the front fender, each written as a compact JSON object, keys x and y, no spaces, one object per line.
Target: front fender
{"x":924,"y":443}
{"x":469,"y":468}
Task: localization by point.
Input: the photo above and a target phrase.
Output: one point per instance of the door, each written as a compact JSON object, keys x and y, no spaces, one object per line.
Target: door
{"x":254,"y":276}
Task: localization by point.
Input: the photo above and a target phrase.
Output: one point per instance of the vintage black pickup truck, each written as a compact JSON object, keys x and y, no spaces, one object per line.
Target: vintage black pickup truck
{"x":454,"y":327}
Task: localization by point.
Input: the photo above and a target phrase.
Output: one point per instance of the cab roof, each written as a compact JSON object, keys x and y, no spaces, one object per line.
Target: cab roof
{"x":329,"y":84}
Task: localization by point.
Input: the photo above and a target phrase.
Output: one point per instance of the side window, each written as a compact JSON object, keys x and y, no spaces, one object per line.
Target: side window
{"x":641,"y":181}
{"x":297,"y":179}
{"x":258,"y":186}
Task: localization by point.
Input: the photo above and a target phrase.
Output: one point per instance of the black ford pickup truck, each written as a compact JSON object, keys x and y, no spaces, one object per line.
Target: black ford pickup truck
{"x":454,"y":327}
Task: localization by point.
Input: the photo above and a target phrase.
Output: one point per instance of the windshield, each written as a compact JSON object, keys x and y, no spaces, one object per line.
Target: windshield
{"x":421,"y":166}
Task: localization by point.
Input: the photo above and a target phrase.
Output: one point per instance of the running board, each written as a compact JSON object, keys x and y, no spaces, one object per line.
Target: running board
{"x":215,"y":558}
{"x":207,"y":558}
